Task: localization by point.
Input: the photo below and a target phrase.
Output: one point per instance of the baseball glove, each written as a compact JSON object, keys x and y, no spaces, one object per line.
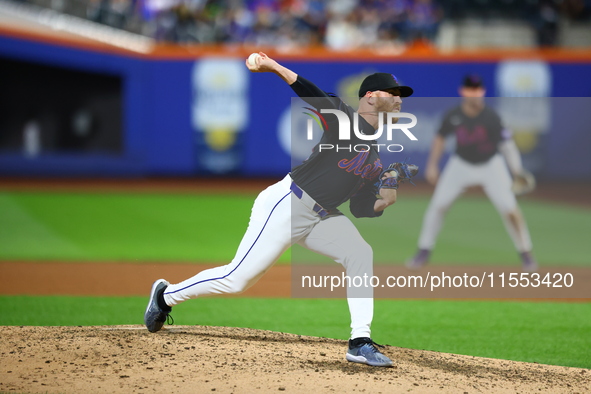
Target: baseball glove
{"x":400,"y":173}
{"x":523,"y":183}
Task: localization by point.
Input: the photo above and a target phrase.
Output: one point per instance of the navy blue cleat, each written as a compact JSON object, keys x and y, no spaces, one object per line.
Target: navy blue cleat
{"x":419,"y":260}
{"x":364,"y":351}
{"x":528,"y":263}
{"x":155,"y":315}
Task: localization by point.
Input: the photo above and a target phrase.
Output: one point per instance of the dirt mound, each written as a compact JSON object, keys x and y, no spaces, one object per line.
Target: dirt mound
{"x":197,"y":359}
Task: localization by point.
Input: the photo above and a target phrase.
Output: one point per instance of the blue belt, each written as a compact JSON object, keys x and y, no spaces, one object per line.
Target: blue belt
{"x":316,"y":208}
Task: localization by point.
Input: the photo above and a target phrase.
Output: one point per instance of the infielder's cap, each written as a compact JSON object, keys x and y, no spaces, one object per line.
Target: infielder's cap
{"x":473,"y":81}
{"x":382,"y":81}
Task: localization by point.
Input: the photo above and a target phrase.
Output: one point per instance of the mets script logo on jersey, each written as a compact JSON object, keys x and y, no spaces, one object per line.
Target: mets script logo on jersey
{"x":355,"y":165}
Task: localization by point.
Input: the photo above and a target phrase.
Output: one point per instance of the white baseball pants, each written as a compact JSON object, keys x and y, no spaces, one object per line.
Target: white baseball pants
{"x":278,"y":220}
{"x":493,"y":176}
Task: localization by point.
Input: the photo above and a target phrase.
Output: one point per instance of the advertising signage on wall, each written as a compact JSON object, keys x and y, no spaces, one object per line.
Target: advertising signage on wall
{"x":203,"y":113}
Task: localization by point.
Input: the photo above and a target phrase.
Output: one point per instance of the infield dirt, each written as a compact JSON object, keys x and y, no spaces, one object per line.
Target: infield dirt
{"x":199,"y":359}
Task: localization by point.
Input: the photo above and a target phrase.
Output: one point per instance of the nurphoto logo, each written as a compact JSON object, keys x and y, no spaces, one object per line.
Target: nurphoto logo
{"x":344,"y":124}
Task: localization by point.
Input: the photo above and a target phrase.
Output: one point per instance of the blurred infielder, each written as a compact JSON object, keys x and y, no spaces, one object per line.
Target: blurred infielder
{"x":481,"y":143}
{"x":302,"y":208}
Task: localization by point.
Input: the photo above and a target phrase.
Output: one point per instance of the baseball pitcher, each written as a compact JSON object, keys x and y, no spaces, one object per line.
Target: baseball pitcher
{"x":302,"y":208}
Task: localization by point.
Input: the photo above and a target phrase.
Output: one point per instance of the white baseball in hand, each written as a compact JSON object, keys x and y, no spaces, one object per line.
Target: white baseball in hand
{"x":253,"y":58}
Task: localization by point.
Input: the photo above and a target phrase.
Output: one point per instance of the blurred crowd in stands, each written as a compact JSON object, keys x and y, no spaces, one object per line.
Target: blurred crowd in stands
{"x":336,"y":24}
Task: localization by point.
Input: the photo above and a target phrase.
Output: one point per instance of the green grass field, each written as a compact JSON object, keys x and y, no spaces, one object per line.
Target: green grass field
{"x":176,"y":228}
{"x":172,"y":227}
{"x":125,"y":227}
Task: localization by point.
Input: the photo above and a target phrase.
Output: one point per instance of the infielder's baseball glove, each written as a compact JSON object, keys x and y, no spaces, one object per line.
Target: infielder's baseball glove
{"x":523,"y":183}
{"x":401,"y":172}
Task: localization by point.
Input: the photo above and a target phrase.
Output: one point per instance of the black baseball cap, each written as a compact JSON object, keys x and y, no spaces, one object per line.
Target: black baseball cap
{"x":472,"y":81}
{"x":382,"y":81}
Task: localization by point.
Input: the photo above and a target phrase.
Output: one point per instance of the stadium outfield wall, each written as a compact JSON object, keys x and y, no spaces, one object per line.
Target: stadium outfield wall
{"x":77,"y":109}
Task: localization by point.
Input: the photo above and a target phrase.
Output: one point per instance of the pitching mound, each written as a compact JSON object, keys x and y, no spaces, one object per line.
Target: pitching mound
{"x":198,"y":359}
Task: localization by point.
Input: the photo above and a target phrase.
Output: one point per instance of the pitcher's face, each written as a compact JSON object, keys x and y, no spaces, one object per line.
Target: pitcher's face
{"x":388,"y":100}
